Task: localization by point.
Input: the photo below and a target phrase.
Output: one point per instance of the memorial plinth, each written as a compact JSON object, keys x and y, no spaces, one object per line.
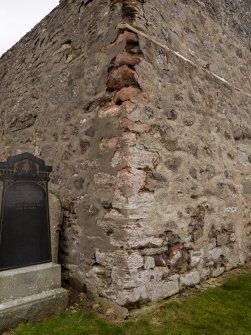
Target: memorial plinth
{"x":30,"y":284}
{"x":30,"y":293}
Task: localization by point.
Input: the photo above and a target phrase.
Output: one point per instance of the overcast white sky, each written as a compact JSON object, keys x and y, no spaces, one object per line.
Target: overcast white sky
{"x":17,"y":17}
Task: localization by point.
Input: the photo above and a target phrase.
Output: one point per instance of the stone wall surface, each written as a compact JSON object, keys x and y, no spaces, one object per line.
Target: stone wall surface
{"x":143,"y":109}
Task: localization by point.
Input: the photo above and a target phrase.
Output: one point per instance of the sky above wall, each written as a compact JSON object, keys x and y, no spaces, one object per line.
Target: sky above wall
{"x":17,"y":17}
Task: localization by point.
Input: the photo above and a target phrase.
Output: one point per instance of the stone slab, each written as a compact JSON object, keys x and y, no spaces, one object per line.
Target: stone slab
{"x":246,"y":184}
{"x":32,"y":308}
{"x":26,"y":281}
{"x":56,"y":216}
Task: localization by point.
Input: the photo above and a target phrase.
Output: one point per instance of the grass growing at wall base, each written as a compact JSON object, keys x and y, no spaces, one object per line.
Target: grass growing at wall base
{"x":225,"y":310}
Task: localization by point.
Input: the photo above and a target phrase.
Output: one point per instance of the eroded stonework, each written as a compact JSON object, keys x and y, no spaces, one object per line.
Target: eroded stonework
{"x":143,"y":109}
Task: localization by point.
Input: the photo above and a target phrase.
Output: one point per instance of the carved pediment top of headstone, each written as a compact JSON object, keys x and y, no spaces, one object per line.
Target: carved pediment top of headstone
{"x":26,"y":166}
{"x":25,"y":163}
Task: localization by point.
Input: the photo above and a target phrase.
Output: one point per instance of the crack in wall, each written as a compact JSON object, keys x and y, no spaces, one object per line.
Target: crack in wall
{"x":177,"y":54}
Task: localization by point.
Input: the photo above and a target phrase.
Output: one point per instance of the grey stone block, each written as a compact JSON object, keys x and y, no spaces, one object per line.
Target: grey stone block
{"x":190,"y":279}
{"x":22,"y":282}
{"x":157,"y":291}
{"x":32,"y":308}
{"x":246,"y":184}
{"x":56,"y":215}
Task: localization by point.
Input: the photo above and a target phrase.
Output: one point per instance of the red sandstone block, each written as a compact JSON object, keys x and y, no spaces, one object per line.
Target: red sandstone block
{"x":132,"y":178}
{"x":127,"y":36}
{"x":102,"y":178}
{"x":135,"y":3}
{"x":129,"y":138}
{"x":128,"y":106}
{"x":121,"y":77}
{"x":125,"y":58}
{"x":135,"y":126}
{"x":109,"y":143}
{"x":130,"y":93}
{"x":175,"y":248}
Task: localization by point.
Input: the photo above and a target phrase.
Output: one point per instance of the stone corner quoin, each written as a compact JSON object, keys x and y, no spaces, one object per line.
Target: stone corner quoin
{"x":143,"y":110}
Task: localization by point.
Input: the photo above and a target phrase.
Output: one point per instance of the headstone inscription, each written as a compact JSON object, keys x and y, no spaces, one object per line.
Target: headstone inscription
{"x":24,"y":220}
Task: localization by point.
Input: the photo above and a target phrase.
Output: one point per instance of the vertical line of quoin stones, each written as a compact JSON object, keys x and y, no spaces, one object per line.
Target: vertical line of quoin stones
{"x":135,"y":164}
{"x":142,"y":267}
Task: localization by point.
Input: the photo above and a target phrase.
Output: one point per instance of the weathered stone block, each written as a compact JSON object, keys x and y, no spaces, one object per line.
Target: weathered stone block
{"x":204,"y":273}
{"x":215,"y":254}
{"x":130,"y":93}
{"x":142,"y":199}
{"x":190,"y":279}
{"x":131,"y":296}
{"x":121,"y":77}
{"x":142,"y":241}
{"x":140,"y":158}
{"x":126,"y":58}
{"x":155,"y":251}
{"x":196,"y":258}
{"x":104,"y":179}
{"x":217,"y":272}
{"x":246,"y":184}
{"x":149,"y":263}
{"x":56,"y":217}
{"x":114,"y":309}
{"x":109,"y":143}
{"x":110,"y":111}
{"x":156,"y":291}
{"x":135,"y":261}
{"x":135,"y":126}
{"x":131,"y":178}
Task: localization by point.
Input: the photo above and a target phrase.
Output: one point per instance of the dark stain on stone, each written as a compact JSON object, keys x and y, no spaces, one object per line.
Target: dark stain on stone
{"x":84,"y":146}
{"x":171,"y":115}
{"x":173,"y":163}
{"x":90,"y":132}
{"x":79,"y":182}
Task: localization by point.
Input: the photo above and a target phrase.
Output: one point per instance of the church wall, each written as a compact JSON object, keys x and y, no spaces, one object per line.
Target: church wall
{"x":143,"y":110}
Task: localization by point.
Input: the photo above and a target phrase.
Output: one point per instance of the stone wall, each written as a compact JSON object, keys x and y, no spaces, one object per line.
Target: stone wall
{"x":52,"y":84}
{"x":143,"y":109}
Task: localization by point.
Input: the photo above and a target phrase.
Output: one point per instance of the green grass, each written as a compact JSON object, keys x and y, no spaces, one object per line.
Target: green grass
{"x":225,"y":310}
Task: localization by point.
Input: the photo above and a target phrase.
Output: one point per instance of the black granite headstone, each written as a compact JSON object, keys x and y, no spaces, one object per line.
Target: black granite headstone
{"x":24,"y":221}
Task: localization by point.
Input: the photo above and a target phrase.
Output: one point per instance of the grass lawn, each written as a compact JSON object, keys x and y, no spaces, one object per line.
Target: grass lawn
{"x":224,"y":310}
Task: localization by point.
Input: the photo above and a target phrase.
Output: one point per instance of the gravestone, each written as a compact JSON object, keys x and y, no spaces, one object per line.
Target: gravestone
{"x":24,"y":225}
{"x":30,"y":284}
